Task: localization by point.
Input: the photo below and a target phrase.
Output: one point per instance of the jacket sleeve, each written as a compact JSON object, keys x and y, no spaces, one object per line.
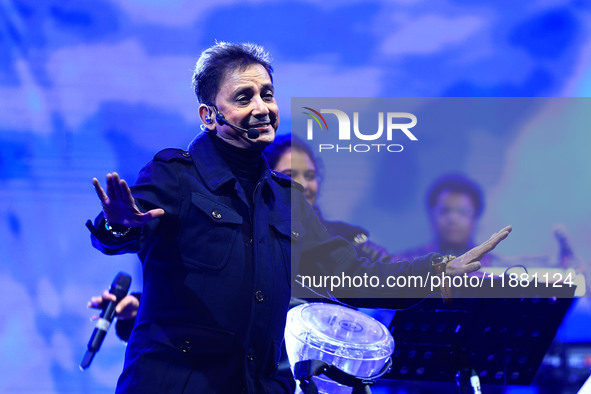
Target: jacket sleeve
{"x":374,"y":252}
{"x":157,"y":186}
{"x":358,"y":237}
{"x":330,"y":265}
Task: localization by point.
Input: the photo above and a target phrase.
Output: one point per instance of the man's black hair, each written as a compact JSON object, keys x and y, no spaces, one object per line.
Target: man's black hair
{"x":456,"y":183}
{"x":221,"y":58}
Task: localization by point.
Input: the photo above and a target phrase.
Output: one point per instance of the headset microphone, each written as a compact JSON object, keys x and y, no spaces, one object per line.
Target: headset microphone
{"x":252,"y":133}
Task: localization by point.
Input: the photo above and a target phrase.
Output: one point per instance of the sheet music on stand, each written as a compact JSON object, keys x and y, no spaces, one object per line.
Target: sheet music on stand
{"x":501,"y":333}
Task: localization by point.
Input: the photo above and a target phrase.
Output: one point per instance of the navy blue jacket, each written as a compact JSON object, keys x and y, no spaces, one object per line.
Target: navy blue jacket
{"x":218,"y":273}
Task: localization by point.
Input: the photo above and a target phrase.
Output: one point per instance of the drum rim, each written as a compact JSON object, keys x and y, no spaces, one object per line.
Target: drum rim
{"x":386,"y":341}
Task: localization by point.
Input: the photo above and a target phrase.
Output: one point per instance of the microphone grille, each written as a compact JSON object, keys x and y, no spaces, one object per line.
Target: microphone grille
{"x":120,"y":285}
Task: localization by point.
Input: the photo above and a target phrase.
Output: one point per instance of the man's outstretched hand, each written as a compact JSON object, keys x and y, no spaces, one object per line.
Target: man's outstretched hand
{"x":119,"y":205}
{"x":469,"y":261}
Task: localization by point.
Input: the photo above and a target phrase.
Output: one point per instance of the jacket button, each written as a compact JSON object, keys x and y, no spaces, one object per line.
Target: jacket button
{"x":186,"y":154}
{"x":250,"y":357}
{"x":259,"y":296}
{"x":185,"y":346}
{"x":295,"y":234}
{"x":216,"y":214}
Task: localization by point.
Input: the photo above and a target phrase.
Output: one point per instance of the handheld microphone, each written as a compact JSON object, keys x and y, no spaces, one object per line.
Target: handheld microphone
{"x":119,"y":289}
{"x":252,"y":133}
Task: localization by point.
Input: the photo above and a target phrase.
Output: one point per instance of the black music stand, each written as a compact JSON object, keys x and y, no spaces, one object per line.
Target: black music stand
{"x":503,"y":340}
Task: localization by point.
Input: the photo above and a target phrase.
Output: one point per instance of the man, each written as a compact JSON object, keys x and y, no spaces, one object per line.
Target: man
{"x":454,"y":204}
{"x":218,"y":234}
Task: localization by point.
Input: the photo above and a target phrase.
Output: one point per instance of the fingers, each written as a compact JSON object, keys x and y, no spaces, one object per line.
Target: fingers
{"x":98,"y":302}
{"x":469,"y":261}
{"x":109,"y":182}
{"x":127,"y":308}
{"x":498,"y":237}
{"x":501,"y":234}
{"x":119,"y":205}
{"x":117,"y":186}
{"x":118,"y":202}
{"x":114,"y":189}
{"x":152,"y":214}
{"x":122,"y":304}
{"x":95,"y":303}
{"x":461,"y":266}
{"x":479,"y":251}
{"x":473,"y":266}
{"x":99,"y":191}
{"x":126,"y":192}
{"x":108,"y":296}
{"x":126,"y":302}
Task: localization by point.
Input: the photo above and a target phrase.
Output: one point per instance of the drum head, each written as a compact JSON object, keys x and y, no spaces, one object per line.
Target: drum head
{"x":351,"y":340}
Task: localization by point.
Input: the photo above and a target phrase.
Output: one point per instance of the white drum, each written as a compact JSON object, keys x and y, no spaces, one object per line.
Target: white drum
{"x":350,"y":340}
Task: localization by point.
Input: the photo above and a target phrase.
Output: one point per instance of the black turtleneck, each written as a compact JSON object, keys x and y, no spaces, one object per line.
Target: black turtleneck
{"x":245,"y":164}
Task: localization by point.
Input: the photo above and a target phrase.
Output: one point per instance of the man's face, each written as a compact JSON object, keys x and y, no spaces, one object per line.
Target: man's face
{"x":453,"y":218}
{"x":246,"y":98}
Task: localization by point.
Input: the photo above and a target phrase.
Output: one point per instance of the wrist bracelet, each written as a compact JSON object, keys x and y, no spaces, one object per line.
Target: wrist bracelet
{"x":439,"y":264}
{"x":115,"y":233}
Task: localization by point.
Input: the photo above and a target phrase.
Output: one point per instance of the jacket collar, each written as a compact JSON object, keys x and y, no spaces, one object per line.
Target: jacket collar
{"x":212,"y":167}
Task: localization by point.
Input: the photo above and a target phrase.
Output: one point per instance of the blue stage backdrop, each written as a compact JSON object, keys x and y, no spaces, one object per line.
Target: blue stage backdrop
{"x":90,"y":87}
